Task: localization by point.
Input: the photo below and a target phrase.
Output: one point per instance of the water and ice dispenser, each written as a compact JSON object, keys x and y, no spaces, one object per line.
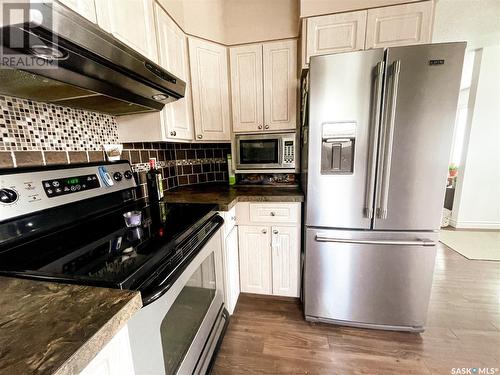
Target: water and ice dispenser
{"x":337,"y":147}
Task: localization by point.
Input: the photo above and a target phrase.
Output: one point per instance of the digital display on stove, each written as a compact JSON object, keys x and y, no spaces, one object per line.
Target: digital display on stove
{"x":73,"y":181}
{"x":62,"y":186}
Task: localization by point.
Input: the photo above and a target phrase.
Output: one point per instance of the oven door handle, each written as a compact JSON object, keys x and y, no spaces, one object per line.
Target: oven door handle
{"x":163,"y":281}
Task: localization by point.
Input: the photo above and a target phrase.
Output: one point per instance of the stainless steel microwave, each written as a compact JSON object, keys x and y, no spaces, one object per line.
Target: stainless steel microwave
{"x":271,"y":153}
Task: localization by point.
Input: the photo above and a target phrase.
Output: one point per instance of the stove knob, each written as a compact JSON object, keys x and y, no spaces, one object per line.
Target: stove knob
{"x":8,"y":196}
{"x":128,"y":175}
{"x":117,"y":176}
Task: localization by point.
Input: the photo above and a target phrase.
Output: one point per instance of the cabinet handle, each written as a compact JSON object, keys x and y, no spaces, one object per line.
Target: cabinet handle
{"x":272,"y":214}
{"x":264,"y":231}
{"x":260,"y":126}
{"x":200,"y":136}
{"x":276,"y":231}
{"x":267,"y":126}
{"x":173,"y":133}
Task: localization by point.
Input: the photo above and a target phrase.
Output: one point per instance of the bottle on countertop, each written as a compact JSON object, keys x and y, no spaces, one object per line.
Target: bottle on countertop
{"x":230,"y":171}
{"x":154,"y":182}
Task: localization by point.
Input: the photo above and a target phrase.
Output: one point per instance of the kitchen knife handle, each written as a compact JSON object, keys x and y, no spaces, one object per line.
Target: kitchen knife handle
{"x":375,"y":123}
{"x":423,"y":242}
{"x":387,"y":140}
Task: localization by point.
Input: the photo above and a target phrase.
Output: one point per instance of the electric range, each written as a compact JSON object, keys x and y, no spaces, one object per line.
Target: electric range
{"x":77,"y":237}
{"x":66,"y":224}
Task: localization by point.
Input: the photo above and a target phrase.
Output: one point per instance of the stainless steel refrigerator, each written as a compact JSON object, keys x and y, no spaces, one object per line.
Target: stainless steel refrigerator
{"x":376,"y":147}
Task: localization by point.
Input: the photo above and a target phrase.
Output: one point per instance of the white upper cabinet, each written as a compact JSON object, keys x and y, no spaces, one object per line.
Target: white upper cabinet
{"x":177,"y":117}
{"x":210,"y":84}
{"x":335,"y":33}
{"x":399,"y":25}
{"x":264,"y":86}
{"x":280,"y":85}
{"x":130,"y":21}
{"x":247,"y":88}
{"x":85,"y":8}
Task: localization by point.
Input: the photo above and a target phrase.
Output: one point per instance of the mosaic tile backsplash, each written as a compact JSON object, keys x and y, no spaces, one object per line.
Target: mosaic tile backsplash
{"x":28,"y":125}
{"x":34,"y":133}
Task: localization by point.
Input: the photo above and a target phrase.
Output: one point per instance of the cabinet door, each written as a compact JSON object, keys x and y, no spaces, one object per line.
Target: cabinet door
{"x":285,"y":261}
{"x":280,"y":85}
{"x":177,"y":117}
{"x":209,"y":79}
{"x":255,"y":259}
{"x":85,"y":8}
{"x":399,"y":25}
{"x":130,"y":21}
{"x":247,"y":93}
{"x":114,"y":359}
{"x":335,"y":33}
{"x":231,"y":270}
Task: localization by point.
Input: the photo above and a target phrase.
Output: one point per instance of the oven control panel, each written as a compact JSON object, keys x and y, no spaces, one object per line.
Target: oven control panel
{"x":24,"y":191}
{"x":68,"y":185}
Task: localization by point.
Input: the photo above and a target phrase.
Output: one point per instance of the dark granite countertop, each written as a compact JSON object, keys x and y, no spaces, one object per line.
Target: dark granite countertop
{"x":49,"y":328}
{"x":226,"y":197}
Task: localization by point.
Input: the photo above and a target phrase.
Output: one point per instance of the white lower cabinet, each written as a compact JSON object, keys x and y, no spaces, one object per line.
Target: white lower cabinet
{"x":285,"y":261}
{"x":269,"y":252}
{"x":231,"y":270}
{"x":114,"y":359}
{"x":255,"y":259}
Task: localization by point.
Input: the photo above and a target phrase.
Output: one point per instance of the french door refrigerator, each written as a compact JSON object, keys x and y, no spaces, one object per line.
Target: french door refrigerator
{"x":376,"y":151}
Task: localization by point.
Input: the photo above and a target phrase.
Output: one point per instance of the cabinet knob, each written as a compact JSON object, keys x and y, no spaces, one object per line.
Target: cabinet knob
{"x":276,"y":231}
{"x":233,"y":218}
{"x":173,"y":133}
{"x":267,"y":126}
{"x":264,"y":231}
{"x":200,"y":136}
{"x":272,"y":214}
{"x":260,"y":126}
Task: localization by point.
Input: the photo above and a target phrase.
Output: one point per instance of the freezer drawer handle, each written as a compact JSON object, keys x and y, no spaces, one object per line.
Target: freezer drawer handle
{"x":423,"y":242}
{"x":375,"y":123}
{"x":387,"y":141}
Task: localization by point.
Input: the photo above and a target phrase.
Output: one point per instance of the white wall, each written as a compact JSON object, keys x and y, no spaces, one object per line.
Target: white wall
{"x":477,"y":201}
{"x":477,"y":196}
{"x":233,"y":22}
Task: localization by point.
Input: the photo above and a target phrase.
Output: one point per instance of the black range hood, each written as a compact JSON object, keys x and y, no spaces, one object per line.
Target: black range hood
{"x":62,"y":58}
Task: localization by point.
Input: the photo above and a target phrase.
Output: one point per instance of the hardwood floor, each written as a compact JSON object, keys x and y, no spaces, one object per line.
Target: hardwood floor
{"x":270,"y":336}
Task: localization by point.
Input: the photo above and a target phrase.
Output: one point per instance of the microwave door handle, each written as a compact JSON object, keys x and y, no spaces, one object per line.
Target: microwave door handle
{"x":375,"y":125}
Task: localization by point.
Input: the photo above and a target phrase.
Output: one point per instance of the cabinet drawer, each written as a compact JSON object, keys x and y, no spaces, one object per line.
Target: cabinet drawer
{"x":261,"y":213}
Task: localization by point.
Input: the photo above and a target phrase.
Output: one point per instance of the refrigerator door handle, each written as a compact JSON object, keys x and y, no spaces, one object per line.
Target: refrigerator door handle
{"x":423,"y":242}
{"x":375,"y":122}
{"x":387,"y":141}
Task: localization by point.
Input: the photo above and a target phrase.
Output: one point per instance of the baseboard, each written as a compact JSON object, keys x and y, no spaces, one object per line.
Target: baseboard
{"x":475,"y":224}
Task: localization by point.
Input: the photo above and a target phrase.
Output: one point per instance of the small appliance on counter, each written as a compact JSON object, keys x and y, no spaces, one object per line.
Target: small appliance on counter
{"x":80,"y":224}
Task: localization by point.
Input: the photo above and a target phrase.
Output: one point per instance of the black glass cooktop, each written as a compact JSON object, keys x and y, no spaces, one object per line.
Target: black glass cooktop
{"x":102,"y":251}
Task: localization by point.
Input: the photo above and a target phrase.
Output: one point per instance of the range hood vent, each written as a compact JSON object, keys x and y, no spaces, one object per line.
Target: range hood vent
{"x":64,"y":59}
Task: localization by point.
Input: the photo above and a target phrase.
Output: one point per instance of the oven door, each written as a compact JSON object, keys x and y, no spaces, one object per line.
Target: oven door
{"x":178,"y":332}
{"x":258,"y":152}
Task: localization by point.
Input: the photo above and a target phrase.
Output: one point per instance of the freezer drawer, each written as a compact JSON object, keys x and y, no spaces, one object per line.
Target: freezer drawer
{"x":369,"y":279}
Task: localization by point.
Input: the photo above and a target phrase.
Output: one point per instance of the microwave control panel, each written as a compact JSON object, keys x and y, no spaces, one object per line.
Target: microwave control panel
{"x":288,"y":152}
